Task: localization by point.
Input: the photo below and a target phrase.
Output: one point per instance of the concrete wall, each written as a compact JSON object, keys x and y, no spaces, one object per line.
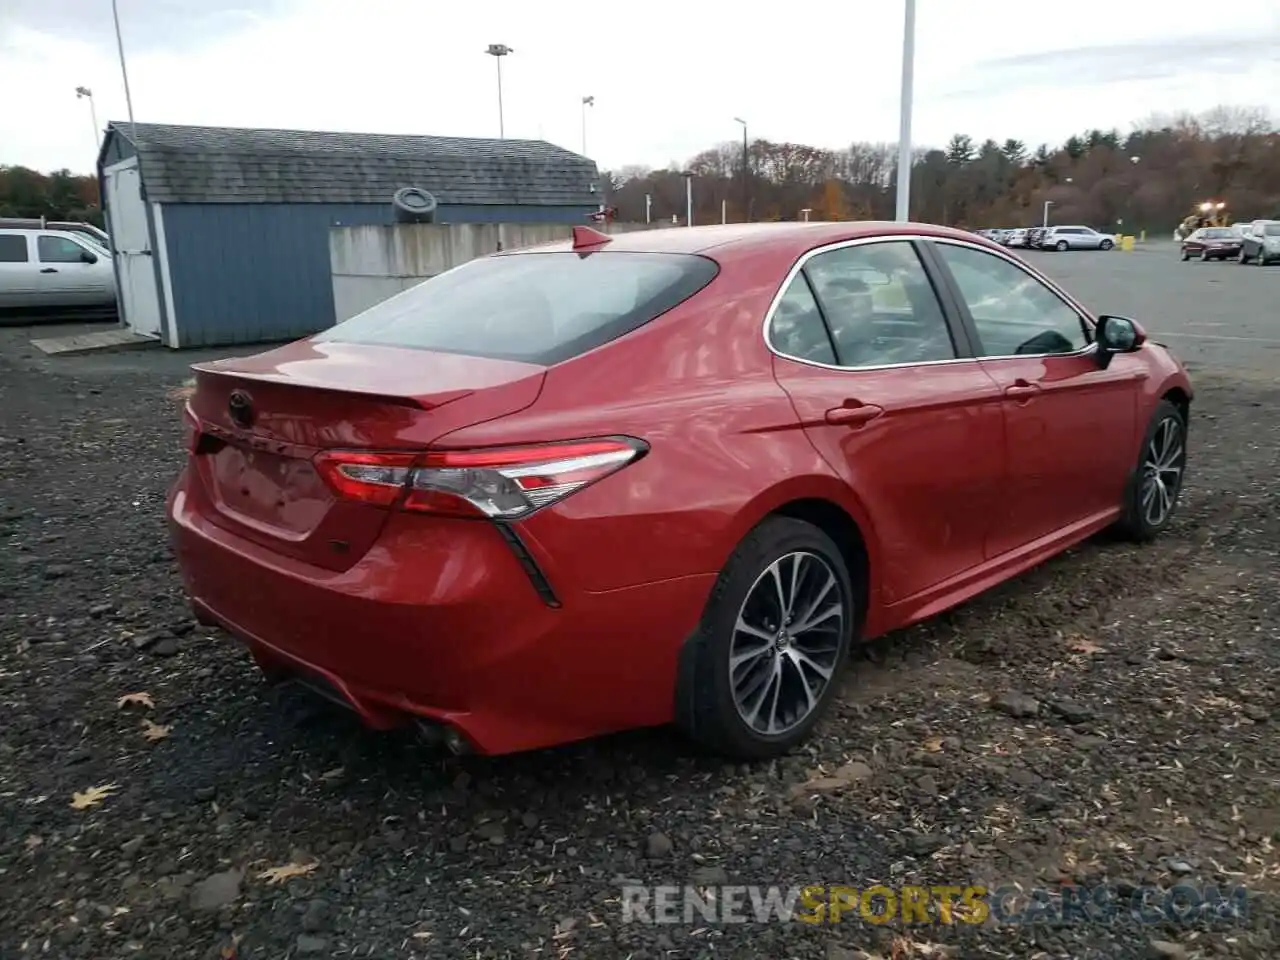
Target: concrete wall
{"x":371,"y":263}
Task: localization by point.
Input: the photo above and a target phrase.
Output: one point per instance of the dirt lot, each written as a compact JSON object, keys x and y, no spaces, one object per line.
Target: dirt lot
{"x":1141,"y":751}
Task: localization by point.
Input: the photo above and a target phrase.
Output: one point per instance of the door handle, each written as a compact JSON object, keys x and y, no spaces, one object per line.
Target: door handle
{"x":49,"y":270}
{"x":1021,"y":390}
{"x":853,"y":414}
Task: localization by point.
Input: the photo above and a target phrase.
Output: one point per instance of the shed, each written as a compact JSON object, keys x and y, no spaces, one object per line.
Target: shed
{"x":221,"y":235}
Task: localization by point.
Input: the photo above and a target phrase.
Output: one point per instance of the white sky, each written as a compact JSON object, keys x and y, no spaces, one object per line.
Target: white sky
{"x":668,"y":77}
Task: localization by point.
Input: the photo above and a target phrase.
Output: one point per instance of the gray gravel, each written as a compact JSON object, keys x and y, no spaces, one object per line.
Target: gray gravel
{"x":1107,"y":718}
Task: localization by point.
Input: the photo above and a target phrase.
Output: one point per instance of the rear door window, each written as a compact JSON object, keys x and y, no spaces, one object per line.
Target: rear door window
{"x":13,"y":248}
{"x":539,"y":308}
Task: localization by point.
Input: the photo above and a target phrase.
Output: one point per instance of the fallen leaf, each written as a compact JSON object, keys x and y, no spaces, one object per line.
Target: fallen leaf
{"x":1085,"y":645}
{"x":136,"y":700}
{"x":33,"y":841}
{"x":333,"y":774}
{"x":286,"y":872}
{"x":92,"y":796}
{"x":154,"y":731}
{"x":933,"y":745}
{"x":422,"y":935}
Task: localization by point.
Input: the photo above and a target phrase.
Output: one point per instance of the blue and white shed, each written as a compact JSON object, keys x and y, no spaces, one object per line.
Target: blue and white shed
{"x":221,"y":235}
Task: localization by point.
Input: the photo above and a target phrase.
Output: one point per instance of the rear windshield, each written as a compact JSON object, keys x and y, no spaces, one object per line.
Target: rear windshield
{"x":1271,"y":230}
{"x":538,"y":308}
{"x":1218,"y":233}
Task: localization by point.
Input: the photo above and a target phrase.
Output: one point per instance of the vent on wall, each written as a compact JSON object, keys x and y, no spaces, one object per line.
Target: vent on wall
{"x":412,"y":205}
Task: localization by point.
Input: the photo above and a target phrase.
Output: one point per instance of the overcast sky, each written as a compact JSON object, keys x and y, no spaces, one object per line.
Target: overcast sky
{"x":668,"y":77}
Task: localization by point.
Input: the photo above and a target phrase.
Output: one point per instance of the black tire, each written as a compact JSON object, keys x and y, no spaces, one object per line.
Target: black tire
{"x":1061,"y":246}
{"x":1135,"y":521}
{"x":706,"y":709}
{"x":1185,"y":256}
{"x":1106,"y":245}
{"x":1242,"y":257}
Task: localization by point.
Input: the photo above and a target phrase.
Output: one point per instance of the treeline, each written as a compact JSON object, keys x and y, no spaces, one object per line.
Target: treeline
{"x":1148,"y":179}
{"x":61,"y":195}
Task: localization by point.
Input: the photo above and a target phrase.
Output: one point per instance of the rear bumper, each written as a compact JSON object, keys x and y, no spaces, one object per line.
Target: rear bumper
{"x":440,"y":621}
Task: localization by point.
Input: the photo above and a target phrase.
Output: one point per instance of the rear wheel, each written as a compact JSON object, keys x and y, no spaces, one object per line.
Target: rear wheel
{"x":1152,"y":495}
{"x":762,"y":668}
{"x":1242,"y":257}
{"x":1060,"y":246}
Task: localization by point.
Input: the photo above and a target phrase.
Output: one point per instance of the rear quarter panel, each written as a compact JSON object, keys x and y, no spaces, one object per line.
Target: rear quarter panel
{"x":725,"y":444}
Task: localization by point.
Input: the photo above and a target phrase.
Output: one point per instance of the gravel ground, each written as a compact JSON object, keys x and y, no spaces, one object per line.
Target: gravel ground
{"x":1130,"y":742}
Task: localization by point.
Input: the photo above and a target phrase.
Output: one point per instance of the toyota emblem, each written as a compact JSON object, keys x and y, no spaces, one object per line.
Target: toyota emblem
{"x":240,"y":407}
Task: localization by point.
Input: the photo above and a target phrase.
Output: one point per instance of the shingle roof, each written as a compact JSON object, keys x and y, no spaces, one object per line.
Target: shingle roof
{"x":182,"y":164}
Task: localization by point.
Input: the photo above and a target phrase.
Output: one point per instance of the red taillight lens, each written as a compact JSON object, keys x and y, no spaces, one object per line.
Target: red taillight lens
{"x":504,"y":483}
{"x":190,"y":428}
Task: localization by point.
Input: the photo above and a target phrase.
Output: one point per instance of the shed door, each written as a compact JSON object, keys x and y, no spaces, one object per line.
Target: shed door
{"x":139,"y":298}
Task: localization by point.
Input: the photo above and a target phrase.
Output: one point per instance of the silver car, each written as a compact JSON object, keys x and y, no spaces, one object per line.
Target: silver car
{"x":1075,"y":238}
{"x":54,"y":268}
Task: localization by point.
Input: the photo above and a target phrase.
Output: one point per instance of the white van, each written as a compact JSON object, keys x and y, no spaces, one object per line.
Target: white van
{"x":54,"y":268}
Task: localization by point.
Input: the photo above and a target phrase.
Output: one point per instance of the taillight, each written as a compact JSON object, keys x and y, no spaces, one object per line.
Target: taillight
{"x":503,"y":483}
{"x":190,"y":428}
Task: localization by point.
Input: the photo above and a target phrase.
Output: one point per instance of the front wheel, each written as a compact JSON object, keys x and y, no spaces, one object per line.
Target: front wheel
{"x":1152,"y":494}
{"x":1242,"y":257}
{"x":1185,"y":256}
{"x":1107,"y":245}
{"x":763,"y":666}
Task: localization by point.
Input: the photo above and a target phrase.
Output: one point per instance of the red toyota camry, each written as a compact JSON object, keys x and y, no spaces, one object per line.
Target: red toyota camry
{"x":662,"y":476}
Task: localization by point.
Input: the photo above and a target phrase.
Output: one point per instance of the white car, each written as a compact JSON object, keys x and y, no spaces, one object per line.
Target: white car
{"x":54,"y":268}
{"x":1016,"y":238}
{"x":1076,"y":238}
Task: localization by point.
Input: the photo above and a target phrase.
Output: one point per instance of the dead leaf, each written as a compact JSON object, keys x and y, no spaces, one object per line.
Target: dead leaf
{"x":422,"y":935}
{"x":286,"y":872}
{"x":154,"y":731}
{"x":933,"y":745}
{"x":1085,"y":645}
{"x":33,"y":841}
{"x":92,"y":796}
{"x":334,"y":774}
{"x":136,"y":700}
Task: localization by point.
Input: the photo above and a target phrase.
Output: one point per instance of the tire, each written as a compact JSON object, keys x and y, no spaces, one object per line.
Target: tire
{"x":1106,"y":245}
{"x":1060,"y":246}
{"x":707,"y":708}
{"x":1185,"y":256}
{"x":1261,"y":259}
{"x":1137,"y":522}
{"x":1242,"y":257}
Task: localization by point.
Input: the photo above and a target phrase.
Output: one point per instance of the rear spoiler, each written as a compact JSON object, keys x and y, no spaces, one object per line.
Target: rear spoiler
{"x":205,"y":372}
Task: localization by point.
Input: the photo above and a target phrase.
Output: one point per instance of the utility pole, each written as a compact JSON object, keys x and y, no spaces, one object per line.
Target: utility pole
{"x":746,"y":173}
{"x":124,"y":74}
{"x":904,"y":116}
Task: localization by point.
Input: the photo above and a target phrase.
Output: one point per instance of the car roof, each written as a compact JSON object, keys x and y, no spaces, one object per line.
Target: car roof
{"x":743,"y":239}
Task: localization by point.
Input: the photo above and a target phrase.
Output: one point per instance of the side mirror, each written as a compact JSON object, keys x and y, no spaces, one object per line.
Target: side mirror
{"x":1117,"y":335}
{"x":87,"y":257}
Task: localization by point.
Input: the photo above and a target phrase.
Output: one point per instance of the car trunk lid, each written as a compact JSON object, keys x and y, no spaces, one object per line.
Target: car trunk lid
{"x":259,"y":423}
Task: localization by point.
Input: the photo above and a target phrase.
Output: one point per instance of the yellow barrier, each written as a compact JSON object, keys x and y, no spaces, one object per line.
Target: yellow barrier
{"x":1126,"y":244}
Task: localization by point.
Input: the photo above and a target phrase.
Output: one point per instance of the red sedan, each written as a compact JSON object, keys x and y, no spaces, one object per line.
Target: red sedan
{"x":663,"y":476}
{"x":1212,"y":243}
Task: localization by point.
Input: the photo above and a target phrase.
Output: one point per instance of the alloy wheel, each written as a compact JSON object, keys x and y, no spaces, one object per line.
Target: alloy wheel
{"x":786,"y":642}
{"x":1162,"y":471}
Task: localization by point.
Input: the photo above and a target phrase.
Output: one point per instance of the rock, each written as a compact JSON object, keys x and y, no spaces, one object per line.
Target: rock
{"x":309,"y":945}
{"x":658,"y":846}
{"x":1071,"y":711}
{"x":1256,"y":713}
{"x":317,"y":916}
{"x":924,"y":844}
{"x":216,"y":891}
{"x":1014,"y":704}
{"x":1040,"y":803}
{"x":1167,"y":950}
{"x":927,"y":785}
{"x":1181,"y":867}
{"x":167,"y":647}
{"x":709,"y":877}
{"x":492,"y":831}
{"x":56,"y":571}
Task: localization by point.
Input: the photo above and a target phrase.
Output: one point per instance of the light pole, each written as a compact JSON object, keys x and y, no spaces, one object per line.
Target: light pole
{"x":805,"y":213}
{"x":586,"y":102}
{"x":648,"y":208}
{"x":688,"y":198}
{"x":498,"y":51}
{"x":904,"y":113}
{"x":85,"y":92}
{"x":1044,"y":223}
{"x":124,"y":73}
{"x":746,"y":173}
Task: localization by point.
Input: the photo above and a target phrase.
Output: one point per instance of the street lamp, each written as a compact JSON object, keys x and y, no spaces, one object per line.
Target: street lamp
{"x":805,"y":213}
{"x":83,"y":93}
{"x":688,"y":197}
{"x":746,"y":172}
{"x":586,"y":102}
{"x":1045,"y":222}
{"x":904,"y":113}
{"x":648,"y":208}
{"x":124,"y":73}
{"x":498,"y":51}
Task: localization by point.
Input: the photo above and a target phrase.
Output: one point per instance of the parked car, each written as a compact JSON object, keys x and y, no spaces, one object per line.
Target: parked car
{"x":54,"y":268}
{"x":1033,"y":237}
{"x":1016,"y":238}
{"x":1260,"y":244}
{"x":1074,"y":238}
{"x":96,"y":234}
{"x":664,"y":476}
{"x":1211,"y":243}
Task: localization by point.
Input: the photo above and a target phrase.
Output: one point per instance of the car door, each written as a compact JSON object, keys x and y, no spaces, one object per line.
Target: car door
{"x":18,"y":286}
{"x":890,"y":396}
{"x":1070,"y":426}
{"x":69,"y":274}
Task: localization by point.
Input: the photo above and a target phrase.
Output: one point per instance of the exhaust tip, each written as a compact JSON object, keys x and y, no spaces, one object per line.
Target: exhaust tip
{"x":439,"y":735}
